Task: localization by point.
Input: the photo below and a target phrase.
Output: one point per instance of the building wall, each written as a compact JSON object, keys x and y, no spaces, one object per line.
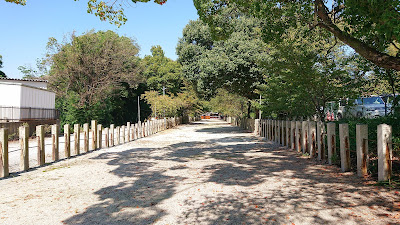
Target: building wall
{"x":10,"y":95}
{"x":37,"y":98}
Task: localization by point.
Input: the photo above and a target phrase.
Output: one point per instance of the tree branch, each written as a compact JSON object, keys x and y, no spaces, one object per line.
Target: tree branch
{"x":378,"y":58}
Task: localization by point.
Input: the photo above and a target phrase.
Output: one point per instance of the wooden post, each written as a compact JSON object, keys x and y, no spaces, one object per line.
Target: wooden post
{"x":344,"y":147}
{"x":312,"y":139}
{"x":293,"y":134}
{"x":86,"y":137}
{"x":384,"y":152}
{"x":128,"y":132}
{"x":67,"y":141}
{"x":362,"y":149}
{"x":123,"y":134}
{"x":304,"y":136}
{"x":118,"y":135}
{"x":321,"y":140}
{"x":107,"y":137}
{"x":55,"y":136}
{"x":40,"y":145}
{"x":298,"y":136}
{"x":94,"y":135}
{"x":24,"y":143}
{"x":4,"y":166}
{"x":77,"y":133}
{"x":99,"y":136}
{"x":111,"y":135}
{"x":132,"y":132}
{"x":331,"y":138}
{"x":288,"y":133}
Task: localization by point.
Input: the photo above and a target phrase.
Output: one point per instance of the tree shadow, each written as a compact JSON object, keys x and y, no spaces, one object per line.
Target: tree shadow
{"x":268,"y":185}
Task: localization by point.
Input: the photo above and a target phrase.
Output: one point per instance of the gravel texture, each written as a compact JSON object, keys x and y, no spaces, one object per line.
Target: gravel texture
{"x":204,"y":173}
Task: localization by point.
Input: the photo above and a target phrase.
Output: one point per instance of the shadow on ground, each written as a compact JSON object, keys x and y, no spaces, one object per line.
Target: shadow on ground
{"x":280,"y":187}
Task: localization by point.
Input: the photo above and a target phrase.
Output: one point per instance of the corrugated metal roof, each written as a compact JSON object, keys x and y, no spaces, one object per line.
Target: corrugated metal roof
{"x":34,"y":80}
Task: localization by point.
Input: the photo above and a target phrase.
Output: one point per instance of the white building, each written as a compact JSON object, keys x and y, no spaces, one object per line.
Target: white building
{"x":22,"y":100}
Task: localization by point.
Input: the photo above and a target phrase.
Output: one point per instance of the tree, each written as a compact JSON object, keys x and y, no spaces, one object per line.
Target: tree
{"x":233,"y":63}
{"x":229,"y":104}
{"x":305,"y":74}
{"x":2,"y":74}
{"x":90,"y":71}
{"x":111,"y":11}
{"x":162,"y":74}
{"x":369,"y":27}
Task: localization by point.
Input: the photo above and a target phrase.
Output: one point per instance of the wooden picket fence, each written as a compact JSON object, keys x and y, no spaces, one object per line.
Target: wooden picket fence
{"x":318,"y":140}
{"x":112,"y":136}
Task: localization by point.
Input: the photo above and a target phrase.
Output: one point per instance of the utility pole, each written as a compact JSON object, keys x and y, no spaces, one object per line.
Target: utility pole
{"x":138,"y":103}
{"x":260,"y":112}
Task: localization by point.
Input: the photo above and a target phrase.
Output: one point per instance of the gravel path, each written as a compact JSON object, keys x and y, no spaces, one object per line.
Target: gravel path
{"x":204,"y":173}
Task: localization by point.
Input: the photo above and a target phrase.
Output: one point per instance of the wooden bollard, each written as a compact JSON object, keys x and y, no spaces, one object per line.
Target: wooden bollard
{"x":298,"y":136}
{"x":128,"y":132}
{"x":362,"y":149}
{"x":107,"y":137}
{"x":321,"y":140}
{"x":40,"y":145}
{"x":384,"y":152}
{"x":279,"y":127}
{"x":86,"y":137}
{"x":118,"y":135}
{"x":55,"y":140}
{"x":94,"y":135}
{"x":77,"y":133}
{"x":165,"y":123}
{"x":4,"y":165}
{"x":304,"y":136}
{"x":288,"y":133}
{"x":312,"y":138}
{"x":293,"y":134}
{"x":99,"y":136}
{"x":134,"y":135}
{"x":344,"y":147}
{"x":123,"y":134}
{"x":331,"y":139}
{"x":24,"y":143}
{"x":111,"y":135}
{"x":268,"y":134}
{"x":67,"y":141}
{"x":283,"y":135}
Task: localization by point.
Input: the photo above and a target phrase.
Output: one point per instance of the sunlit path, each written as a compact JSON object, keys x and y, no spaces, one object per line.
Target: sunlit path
{"x":208,"y":172}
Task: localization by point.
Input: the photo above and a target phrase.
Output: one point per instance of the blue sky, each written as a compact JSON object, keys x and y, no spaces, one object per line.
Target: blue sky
{"x":25,"y":30}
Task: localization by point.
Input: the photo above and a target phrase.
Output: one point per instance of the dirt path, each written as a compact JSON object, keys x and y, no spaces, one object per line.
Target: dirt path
{"x":208,"y":173}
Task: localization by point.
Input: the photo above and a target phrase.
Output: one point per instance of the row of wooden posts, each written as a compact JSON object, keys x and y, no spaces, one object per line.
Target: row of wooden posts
{"x":315,"y":138}
{"x":113,"y":136}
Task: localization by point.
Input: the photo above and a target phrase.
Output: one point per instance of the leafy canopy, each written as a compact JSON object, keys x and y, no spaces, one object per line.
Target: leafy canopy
{"x":232,"y":63}
{"x":2,"y":74}
{"x":369,"y":27}
{"x":91,"y":69}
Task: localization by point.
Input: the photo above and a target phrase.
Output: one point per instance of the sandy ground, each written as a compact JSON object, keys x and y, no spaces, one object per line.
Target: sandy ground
{"x":205,"y":173}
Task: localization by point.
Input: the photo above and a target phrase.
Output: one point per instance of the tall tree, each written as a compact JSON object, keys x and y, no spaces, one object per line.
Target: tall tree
{"x":90,"y":70}
{"x":163,"y":75}
{"x":232,"y":63}
{"x":369,"y":27}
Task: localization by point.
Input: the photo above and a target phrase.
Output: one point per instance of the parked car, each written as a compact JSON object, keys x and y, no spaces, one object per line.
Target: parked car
{"x":369,"y":107}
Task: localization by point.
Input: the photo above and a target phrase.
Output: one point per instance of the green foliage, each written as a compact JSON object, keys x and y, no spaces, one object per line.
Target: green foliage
{"x":162,"y":72}
{"x":369,"y":27}
{"x":184,"y":103}
{"x":306,"y":73}
{"x":93,"y":76}
{"x":2,"y":74}
{"x":232,"y":63}
{"x":229,"y":104}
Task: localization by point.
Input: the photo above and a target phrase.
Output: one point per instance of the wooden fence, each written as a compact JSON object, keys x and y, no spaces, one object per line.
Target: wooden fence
{"x":318,"y":140}
{"x":112,"y":136}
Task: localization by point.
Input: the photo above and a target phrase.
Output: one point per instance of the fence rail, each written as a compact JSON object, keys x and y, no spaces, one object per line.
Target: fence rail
{"x":12,"y":114}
